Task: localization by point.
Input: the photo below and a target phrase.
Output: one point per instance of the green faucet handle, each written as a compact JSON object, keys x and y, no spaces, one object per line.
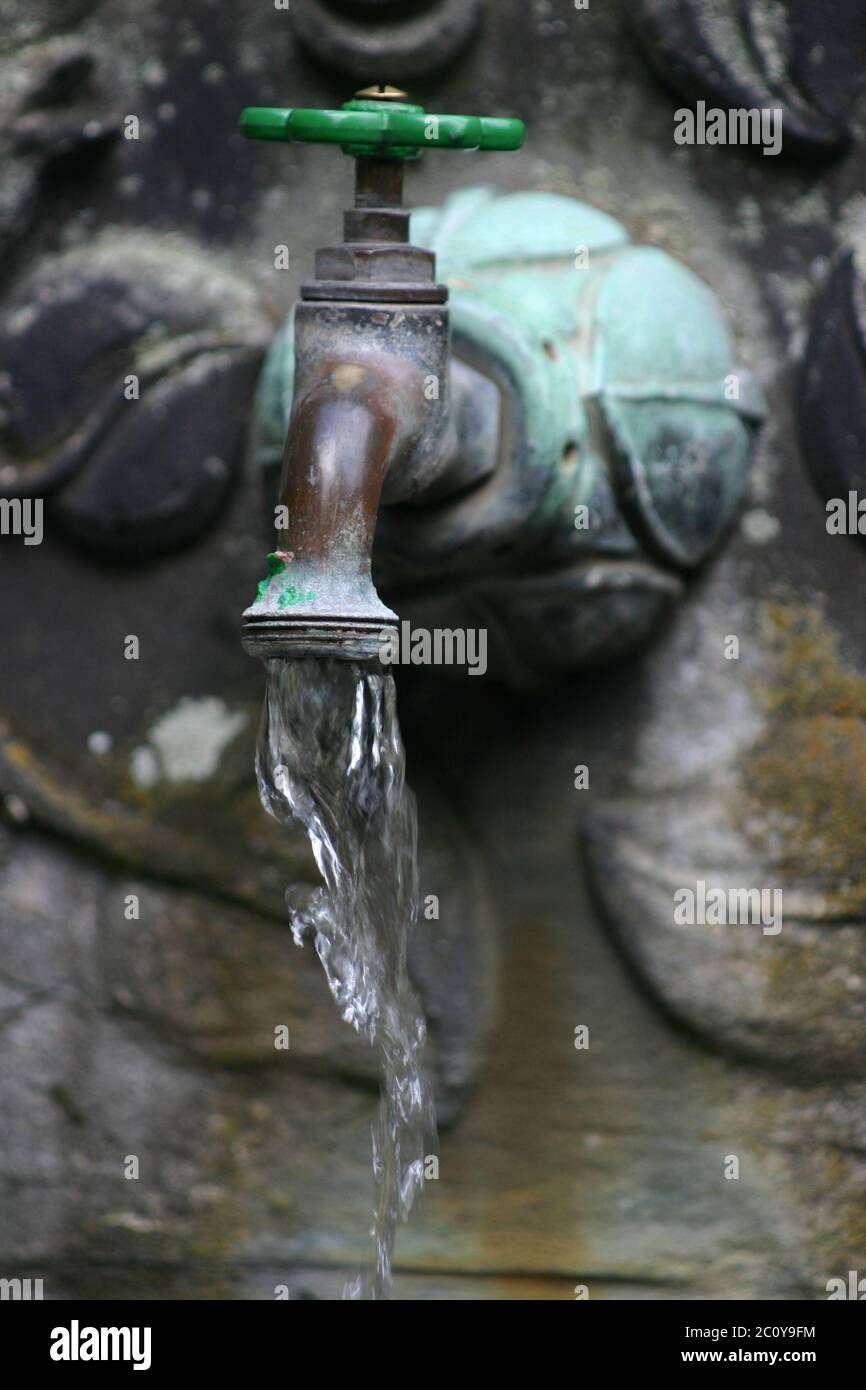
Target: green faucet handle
{"x":378,"y":122}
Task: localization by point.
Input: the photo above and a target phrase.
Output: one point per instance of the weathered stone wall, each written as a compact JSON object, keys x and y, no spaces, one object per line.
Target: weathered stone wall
{"x":154,"y":1036}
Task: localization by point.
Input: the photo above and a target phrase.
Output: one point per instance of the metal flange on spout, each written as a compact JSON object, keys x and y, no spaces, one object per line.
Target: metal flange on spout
{"x":316,"y":611}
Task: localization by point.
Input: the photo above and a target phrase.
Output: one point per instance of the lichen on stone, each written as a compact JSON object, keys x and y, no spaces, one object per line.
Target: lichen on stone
{"x":802,"y":785}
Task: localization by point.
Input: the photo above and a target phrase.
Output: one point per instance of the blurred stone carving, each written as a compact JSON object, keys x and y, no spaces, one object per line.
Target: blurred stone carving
{"x":126,"y":369}
{"x":831,"y":401}
{"x":383,"y":41}
{"x":806,"y":59}
{"x":54,"y":110}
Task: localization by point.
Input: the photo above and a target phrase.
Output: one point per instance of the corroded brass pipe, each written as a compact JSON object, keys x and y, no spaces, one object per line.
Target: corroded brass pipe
{"x":364,"y":423}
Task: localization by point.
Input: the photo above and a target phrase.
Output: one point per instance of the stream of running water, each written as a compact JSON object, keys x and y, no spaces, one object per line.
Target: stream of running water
{"x":330,"y":757}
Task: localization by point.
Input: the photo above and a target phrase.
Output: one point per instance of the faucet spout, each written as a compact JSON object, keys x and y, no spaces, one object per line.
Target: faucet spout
{"x":365,"y":422}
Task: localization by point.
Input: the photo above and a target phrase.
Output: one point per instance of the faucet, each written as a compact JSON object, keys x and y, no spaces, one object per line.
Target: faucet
{"x":373,"y":416}
{"x":551,"y":479}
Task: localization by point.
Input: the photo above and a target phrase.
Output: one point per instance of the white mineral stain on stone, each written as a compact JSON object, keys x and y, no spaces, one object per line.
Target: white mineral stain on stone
{"x":811,"y":209}
{"x":15,"y":808}
{"x":851,"y":228}
{"x":22,"y":319}
{"x":793,"y":295}
{"x":187,"y":742}
{"x":130,"y":185}
{"x":131,"y":1221}
{"x":153,"y":72}
{"x":144,"y":767}
{"x":749,"y":227}
{"x":760,"y":526}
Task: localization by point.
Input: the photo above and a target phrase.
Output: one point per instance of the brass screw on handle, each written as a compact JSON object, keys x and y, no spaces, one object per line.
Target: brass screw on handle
{"x":382,"y":92}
